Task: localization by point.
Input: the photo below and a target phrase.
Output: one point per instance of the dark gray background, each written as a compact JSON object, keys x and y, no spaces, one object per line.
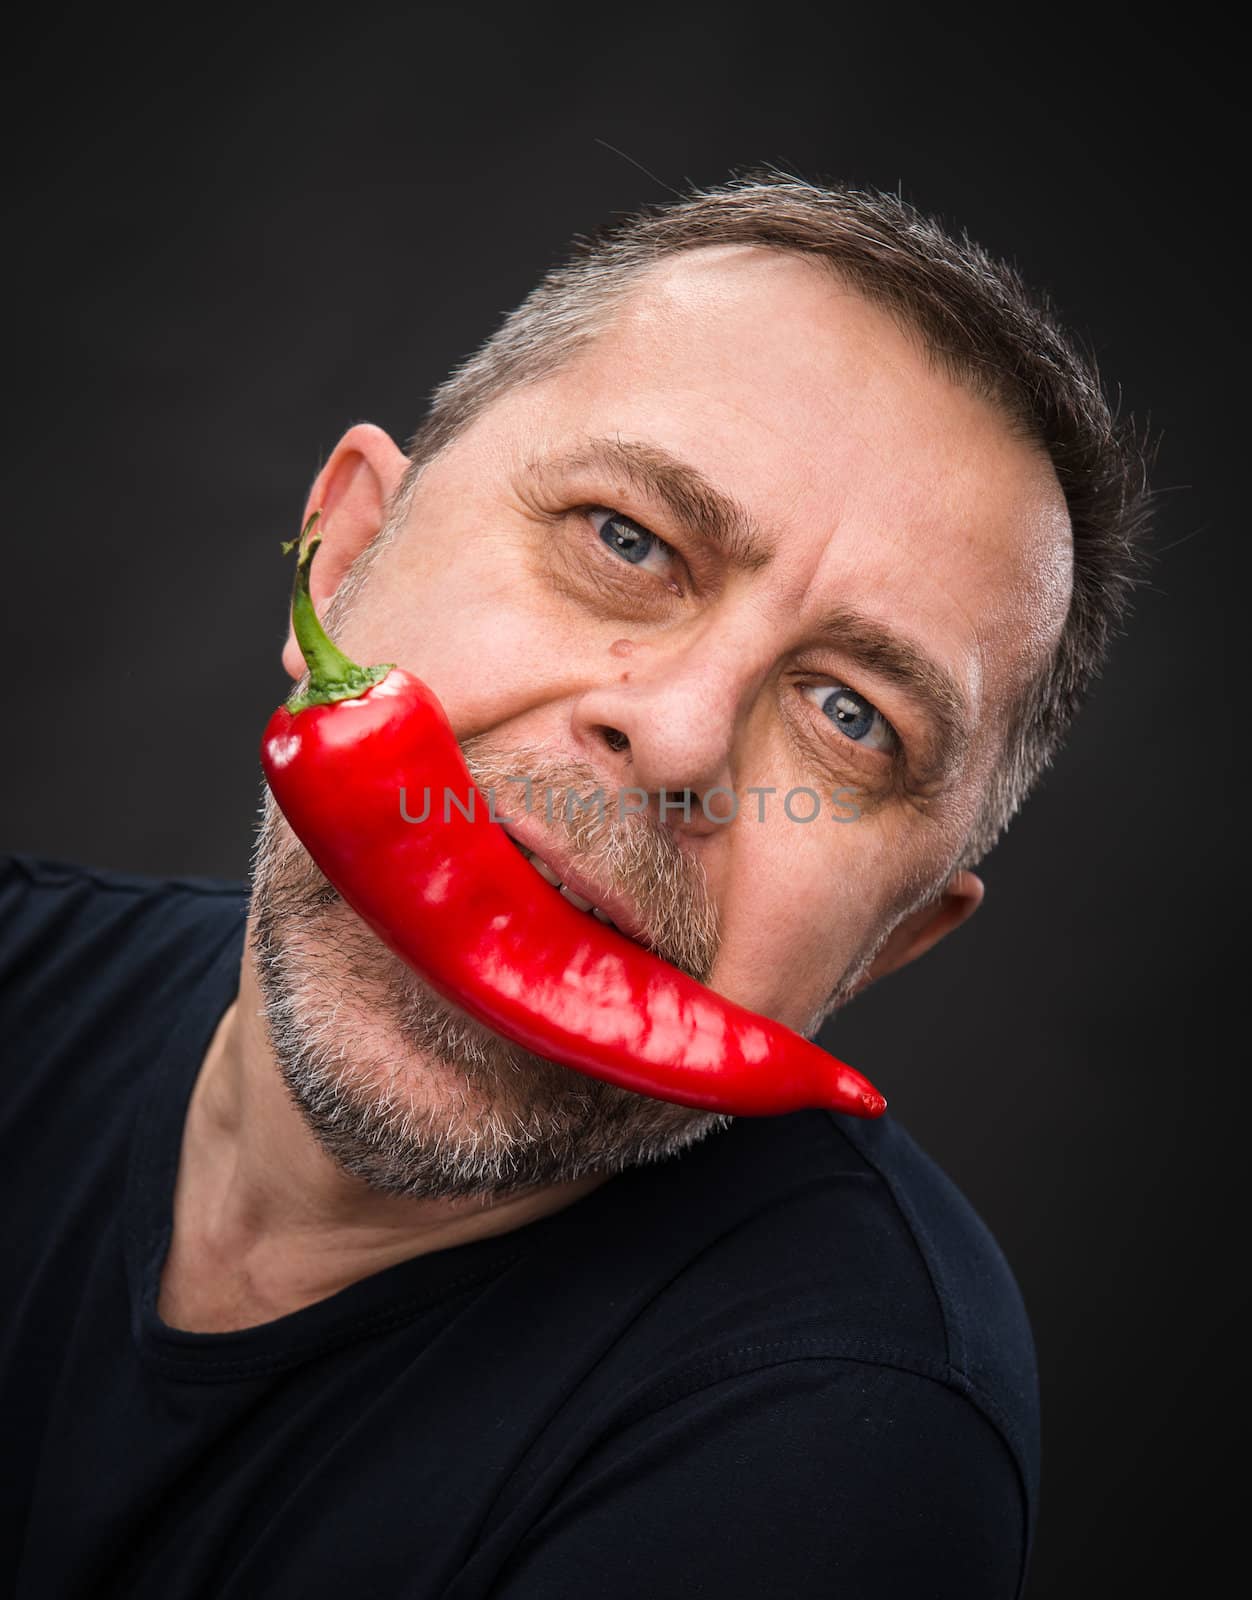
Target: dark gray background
{"x":233,"y":237}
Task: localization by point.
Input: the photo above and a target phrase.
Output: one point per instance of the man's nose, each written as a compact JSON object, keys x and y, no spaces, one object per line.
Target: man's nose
{"x":666,"y":719}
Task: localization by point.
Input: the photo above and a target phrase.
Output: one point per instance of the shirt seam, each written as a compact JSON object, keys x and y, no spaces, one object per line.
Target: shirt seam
{"x":953,"y":1330}
{"x":722,"y":1368}
{"x":819,"y":1347}
{"x":923,"y":1244}
{"x":42,"y":871}
{"x":865,"y":1354}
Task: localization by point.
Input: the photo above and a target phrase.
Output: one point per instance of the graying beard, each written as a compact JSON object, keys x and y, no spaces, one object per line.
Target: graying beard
{"x":478,"y":1146}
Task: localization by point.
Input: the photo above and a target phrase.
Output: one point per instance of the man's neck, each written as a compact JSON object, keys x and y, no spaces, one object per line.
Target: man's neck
{"x":265,"y":1223}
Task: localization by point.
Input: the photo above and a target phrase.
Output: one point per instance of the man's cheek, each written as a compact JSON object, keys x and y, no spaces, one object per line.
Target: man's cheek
{"x":497,"y":666}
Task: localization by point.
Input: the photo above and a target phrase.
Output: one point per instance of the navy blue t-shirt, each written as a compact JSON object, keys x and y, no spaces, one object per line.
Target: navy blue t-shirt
{"x":789,"y":1362}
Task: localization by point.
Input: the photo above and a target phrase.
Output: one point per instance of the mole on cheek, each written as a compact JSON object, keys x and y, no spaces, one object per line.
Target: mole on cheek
{"x":625,"y":677}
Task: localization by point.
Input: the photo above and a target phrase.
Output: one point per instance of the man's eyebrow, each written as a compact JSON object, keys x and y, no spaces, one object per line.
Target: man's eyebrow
{"x":680,"y":487}
{"x":878,"y":649}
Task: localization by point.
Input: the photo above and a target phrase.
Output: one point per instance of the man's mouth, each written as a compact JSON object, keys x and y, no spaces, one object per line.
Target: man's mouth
{"x":625,"y":923}
{"x":607,"y":906}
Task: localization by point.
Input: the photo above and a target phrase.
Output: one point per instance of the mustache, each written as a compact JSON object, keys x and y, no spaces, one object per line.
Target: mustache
{"x":633,"y":854}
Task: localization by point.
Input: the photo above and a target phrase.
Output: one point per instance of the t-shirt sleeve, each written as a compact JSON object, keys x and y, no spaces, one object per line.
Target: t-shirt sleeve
{"x":815,"y":1477}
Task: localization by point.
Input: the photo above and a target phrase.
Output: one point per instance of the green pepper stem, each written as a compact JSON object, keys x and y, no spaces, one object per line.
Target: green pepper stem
{"x":332,"y":675}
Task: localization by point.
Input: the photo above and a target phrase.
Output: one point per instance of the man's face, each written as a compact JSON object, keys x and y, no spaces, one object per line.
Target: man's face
{"x":900,"y":564}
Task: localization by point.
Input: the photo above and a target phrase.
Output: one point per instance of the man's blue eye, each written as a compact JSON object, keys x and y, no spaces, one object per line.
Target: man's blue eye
{"x":856,"y":717}
{"x":628,"y":540}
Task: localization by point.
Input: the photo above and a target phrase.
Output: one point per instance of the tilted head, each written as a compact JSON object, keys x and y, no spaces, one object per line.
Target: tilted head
{"x":775,"y":492}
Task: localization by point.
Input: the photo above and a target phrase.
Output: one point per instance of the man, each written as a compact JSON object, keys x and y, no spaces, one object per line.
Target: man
{"x":321,"y":1287}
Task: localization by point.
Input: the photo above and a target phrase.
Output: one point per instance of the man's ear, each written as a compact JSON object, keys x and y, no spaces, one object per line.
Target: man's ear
{"x":352,"y":491}
{"x":927,"y":925}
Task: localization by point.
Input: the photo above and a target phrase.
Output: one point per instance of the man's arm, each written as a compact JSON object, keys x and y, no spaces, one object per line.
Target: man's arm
{"x":810,"y":1478}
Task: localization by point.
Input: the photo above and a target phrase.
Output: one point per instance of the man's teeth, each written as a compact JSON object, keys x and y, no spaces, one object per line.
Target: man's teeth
{"x":542,"y":868}
{"x":578,"y":900}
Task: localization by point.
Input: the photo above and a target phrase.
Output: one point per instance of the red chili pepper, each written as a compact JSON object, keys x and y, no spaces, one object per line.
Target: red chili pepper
{"x":460,"y":904}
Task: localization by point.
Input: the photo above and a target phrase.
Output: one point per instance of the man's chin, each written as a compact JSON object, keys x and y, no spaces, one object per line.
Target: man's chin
{"x":441,"y":1036}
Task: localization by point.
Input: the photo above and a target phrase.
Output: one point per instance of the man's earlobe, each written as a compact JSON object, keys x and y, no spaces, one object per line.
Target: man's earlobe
{"x":352,"y":492}
{"x":923,"y":928}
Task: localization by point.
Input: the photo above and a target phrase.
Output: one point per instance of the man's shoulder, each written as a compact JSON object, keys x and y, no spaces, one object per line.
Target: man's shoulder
{"x":818,"y":1205}
{"x":803,"y":1318}
{"x":988,"y":1350}
{"x":25,"y":869}
{"x":39,"y":890}
{"x":841,"y":1240}
{"x":70,"y":929}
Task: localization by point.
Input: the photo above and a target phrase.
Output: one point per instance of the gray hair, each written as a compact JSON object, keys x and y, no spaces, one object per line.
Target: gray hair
{"x":977,"y":322}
